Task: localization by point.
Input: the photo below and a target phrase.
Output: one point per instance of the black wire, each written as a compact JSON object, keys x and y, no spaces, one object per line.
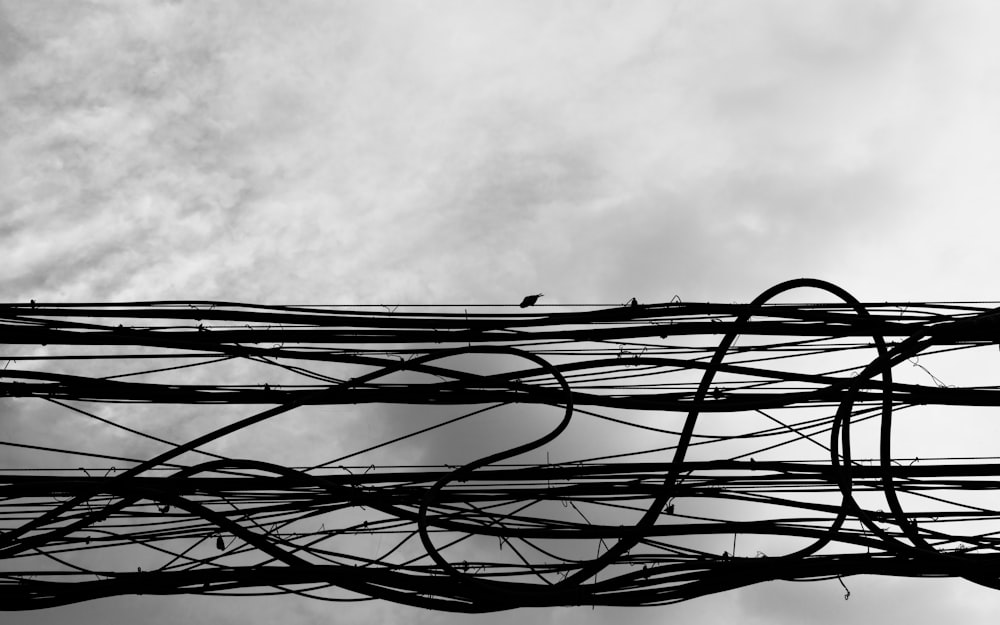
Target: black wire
{"x":494,"y":535}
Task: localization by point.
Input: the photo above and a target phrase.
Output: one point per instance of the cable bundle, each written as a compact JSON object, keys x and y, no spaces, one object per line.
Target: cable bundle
{"x":698,"y":448}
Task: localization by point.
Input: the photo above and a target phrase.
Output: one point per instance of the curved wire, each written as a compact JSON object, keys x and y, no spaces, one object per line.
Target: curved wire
{"x":741,"y":500}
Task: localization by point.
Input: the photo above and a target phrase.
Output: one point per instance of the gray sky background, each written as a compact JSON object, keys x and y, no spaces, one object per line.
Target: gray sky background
{"x":443,"y":152}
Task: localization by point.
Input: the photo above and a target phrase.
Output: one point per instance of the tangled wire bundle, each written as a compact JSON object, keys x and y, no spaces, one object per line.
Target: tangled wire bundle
{"x":628,"y":455}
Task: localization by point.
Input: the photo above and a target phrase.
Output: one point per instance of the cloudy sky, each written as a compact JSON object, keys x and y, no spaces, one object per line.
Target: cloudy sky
{"x":476,"y":151}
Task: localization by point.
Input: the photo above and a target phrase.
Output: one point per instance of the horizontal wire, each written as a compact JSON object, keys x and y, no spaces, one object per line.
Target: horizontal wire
{"x":641,"y":524}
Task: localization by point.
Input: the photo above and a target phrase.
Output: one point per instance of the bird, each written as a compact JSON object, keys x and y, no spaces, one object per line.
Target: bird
{"x":632,"y":303}
{"x":220,"y":544}
{"x":530,"y":300}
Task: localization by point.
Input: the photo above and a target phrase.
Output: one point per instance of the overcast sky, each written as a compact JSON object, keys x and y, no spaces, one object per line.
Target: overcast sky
{"x":474,"y":151}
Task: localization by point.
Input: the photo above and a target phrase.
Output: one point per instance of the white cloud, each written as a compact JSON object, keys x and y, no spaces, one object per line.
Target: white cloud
{"x":478,"y":144}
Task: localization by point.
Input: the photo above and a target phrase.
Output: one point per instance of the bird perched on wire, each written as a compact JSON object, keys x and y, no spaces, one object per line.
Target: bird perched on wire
{"x":530,"y":300}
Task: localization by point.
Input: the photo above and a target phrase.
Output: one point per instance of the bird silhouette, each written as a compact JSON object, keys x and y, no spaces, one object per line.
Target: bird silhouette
{"x":220,"y":544}
{"x":530,"y":300}
{"x":632,"y":303}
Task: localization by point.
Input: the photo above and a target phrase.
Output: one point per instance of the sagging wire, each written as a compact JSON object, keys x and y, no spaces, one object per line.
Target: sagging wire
{"x":654,"y":376}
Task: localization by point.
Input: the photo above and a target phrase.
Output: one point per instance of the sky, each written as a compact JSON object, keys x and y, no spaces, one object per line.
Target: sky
{"x":477,"y":151}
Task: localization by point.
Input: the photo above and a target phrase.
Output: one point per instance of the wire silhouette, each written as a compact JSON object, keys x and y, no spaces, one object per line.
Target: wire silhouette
{"x":701,"y":447}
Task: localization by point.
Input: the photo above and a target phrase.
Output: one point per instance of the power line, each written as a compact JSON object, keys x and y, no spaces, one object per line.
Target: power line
{"x":659,"y":452}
